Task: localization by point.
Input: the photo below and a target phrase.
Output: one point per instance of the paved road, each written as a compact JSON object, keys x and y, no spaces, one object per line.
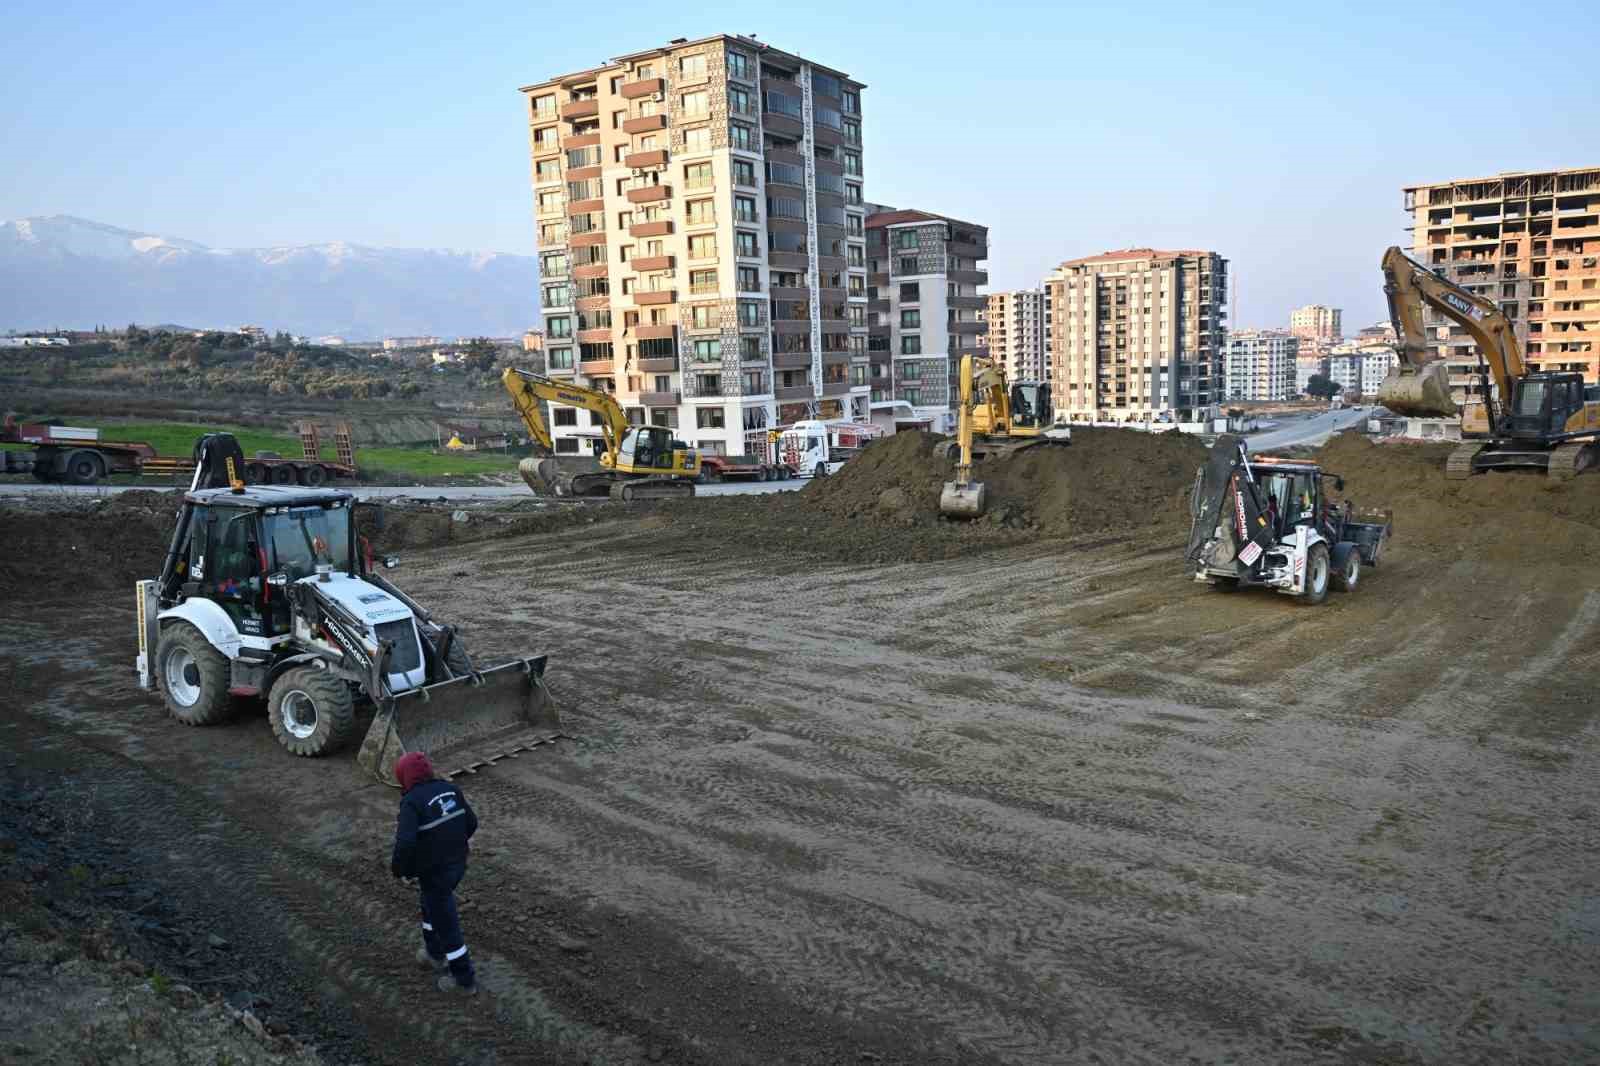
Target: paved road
{"x":421,"y":492}
{"x":1312,"y":431}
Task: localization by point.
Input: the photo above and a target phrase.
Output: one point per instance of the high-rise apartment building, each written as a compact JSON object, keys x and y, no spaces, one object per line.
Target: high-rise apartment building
{"x":1315,"y":322}
{"x":1528,"y":241}
{"x":1137,"y":334}
{"x":702,"y":239}
{"x":925,"y":306}
{"x":1016,"y":333}
{"x":1261,"y":365}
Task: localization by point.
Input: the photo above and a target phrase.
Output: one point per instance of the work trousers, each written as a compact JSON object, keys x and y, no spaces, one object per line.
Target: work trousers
{"x":441,"y":926}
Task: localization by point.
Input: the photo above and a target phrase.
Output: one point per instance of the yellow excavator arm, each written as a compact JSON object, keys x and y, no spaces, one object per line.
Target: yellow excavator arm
{"x":1420,"y":385}
{"x":528,"y":390}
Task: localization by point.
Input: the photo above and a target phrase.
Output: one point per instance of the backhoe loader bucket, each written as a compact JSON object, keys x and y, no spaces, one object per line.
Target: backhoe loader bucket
{"x":962,"y":501}
{"x":1418,"y":392}
{"x":464,"y":724}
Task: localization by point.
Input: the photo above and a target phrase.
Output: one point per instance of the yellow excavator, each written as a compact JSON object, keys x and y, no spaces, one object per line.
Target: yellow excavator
{"x":995,"y":420}
{"x":1529,"y":419}
{"x":637,"y":463}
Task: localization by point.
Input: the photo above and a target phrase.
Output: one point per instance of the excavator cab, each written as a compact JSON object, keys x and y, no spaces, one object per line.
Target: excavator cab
{"x":1543,"y":403}
{"x":1031,"y":410}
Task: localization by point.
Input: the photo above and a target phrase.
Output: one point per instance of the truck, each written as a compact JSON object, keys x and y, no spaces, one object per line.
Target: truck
{"x":715,"y":468}
{"x":68,"y":454}
{"x":814,"y":448}
{"x":309,"y":468}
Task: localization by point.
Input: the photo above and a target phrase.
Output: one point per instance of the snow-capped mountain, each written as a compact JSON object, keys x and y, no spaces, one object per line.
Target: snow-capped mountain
{"x":61,"y":271}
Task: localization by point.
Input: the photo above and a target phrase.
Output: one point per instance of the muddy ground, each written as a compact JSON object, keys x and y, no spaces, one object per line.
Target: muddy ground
{"x":1024,"y":794}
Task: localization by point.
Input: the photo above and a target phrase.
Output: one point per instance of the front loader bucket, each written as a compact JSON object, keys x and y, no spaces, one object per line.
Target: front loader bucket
{"x":1422,"y":392}
{"x":464,"y":724}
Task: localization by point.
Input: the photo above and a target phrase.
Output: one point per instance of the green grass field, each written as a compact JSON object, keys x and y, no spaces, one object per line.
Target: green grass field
{"x":177,"y":439}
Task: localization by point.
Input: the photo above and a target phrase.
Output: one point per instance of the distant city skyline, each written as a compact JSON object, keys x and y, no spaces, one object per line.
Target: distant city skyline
{"x":1271,"y":136}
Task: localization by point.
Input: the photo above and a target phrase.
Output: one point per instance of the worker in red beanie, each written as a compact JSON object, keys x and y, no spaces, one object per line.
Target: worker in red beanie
{"x":430,"y":845}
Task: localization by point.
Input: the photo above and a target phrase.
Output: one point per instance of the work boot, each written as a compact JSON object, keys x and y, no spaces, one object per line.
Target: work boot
{"x":448,"y":983}
{"x":428,"y":962}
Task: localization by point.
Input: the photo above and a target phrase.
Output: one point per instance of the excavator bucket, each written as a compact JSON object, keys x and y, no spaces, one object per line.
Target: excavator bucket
{"x":464,"y":724}
{"x":540,"y":474}
{"x":962,"y":501}
{"x":1424,"y":391}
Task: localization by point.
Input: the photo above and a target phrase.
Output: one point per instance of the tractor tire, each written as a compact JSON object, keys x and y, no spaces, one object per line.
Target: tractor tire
{"x":1346,"y":567}
{"x":83,"y":468}
{"x":313,"y":476}
{"x":193,"y":676}
{"x":456,"y":657}
{"x":256,"y":474}
{"x":283,"y":474}
{"x":312,"y":712}
{"x":1319,"y":570}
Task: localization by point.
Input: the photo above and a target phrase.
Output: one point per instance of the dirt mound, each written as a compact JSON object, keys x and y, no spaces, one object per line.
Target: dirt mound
{"x":1511,"y":517}
{"x":103,"y":546}
{"x":433,"y":525}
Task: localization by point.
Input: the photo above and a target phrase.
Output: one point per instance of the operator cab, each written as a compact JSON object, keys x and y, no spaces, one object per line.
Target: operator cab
{"x":1542,"y":403}
{"x":1296,"y":494}
{"x":1030,"y":405}
{"x":647,"y":448}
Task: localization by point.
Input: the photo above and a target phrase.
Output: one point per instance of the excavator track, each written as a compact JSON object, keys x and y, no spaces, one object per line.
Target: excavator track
{"x":1570,"y":460}
{"x":1460,"y":465}
{"x":652,"y":488}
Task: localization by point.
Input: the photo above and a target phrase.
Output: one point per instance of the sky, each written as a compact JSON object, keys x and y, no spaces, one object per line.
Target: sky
{"x":1279,"y":135}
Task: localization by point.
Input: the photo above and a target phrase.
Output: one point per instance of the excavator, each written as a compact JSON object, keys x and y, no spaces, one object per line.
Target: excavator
{"x":995,"y":420}
{"x":1529,"y":419}
{"x":637,"y":463}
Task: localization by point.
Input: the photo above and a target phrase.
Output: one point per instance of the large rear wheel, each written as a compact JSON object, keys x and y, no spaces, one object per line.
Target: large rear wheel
{"x":83,"y":468}
{"x":193,"y":676}
{"x":1318,"y":570}
{"x":1347,"y":567}
{"x":312,"y":712}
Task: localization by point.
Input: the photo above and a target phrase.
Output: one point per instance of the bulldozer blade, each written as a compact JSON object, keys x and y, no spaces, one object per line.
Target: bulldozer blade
{"x":1421,"y":392}
{"x":962,"y":501}
{"x":464,"y":724}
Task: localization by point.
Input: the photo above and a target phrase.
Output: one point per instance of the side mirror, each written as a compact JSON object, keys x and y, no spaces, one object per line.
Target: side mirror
{"x":278,"y":580}
{"x":391,"y":561}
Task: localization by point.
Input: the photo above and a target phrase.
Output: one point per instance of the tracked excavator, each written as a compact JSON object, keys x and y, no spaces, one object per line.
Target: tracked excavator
{"x":995,"y":419}
{"x":636,"y":463}
{"x":1527,"y":419}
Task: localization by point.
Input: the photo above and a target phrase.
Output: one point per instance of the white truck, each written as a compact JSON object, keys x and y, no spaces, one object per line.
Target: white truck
{"x":815,"y":448}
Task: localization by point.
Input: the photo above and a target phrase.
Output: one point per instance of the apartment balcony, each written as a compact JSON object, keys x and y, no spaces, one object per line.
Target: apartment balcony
{"x":783,"y":155}
{"x":970,"y":303}
{"x":826,"y":135}
{"x":791,"y":360}
{"x":663,"y":296}
{"x":660,"y":399}
{"x":966,"y":249}
{"x":577,"y":109}
{"x":653,"y":333}
{"x":594,"y":303}
{"x":664,"y":364}
{"x":785,"y":225}
{"x":644,"y":124}
{"x":791,"y":325}
{"x":879,"y":280}
{"x":794,"y":392}
{"x":593,"y":336}
{"x":968,"y":328}
{"x":633,"y":90}
{"x":584,"y":207}
{"x":598,"y":367}
{"x":582,"y":140}
{"x":788,"y":292}
{"x":968,"y":277}
{"x":879,"y":306}
{"x":590,"y":270}
{"x":656,"y":157}
{"x":587,"y":240}
{"x":645,"y":263}
{"x":650,"y":194}
{"x":650,"y":229}
{"x":584,"y":173}
{"x":551,"y":146}
{"x":788,"y":260}
{"x":782,"y":125}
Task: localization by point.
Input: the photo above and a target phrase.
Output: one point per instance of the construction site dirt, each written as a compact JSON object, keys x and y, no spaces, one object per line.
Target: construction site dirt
{"x":848,"y":783}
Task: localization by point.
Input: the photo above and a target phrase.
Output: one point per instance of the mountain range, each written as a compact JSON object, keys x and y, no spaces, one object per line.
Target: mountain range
{"x":71,"y":273}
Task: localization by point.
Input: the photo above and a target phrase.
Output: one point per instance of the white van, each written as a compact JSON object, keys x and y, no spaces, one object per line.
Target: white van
{"x":813,"y":448}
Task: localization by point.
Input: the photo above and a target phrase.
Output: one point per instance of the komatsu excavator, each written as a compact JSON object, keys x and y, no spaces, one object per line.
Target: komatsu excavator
{"x":995,"y":420}
{"x":1528,"y":419}
{"x":637,"y":463}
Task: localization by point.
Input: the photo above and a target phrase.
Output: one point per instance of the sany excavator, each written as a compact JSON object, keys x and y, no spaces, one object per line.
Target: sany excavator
{"x":1529,"y":419}
{"x":638,"y":462}
{"x":995,"y":420}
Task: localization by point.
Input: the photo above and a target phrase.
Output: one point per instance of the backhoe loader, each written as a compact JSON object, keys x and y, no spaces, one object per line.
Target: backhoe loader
{"x":994,"y":421}
{"x":269,"y":591}
{"x":1527,"y":419}
{"x":637,"y":463}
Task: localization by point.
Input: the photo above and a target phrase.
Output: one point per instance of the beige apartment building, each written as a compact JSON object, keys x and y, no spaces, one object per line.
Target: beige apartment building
{"x":702,"y":239}
{"x":925,"y":307}
{"x":1314,"y":322}
{"x":1137,"y":334}
{"x":1529,"y":241}
{"x":1016,"y":333}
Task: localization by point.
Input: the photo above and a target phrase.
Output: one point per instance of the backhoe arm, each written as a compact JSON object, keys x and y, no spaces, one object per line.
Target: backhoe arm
{"x":527,"y":390}
{"x":1419,"y":386}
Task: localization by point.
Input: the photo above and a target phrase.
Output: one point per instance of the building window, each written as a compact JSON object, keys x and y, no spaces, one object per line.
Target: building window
{"x":703,"y":246}
{"x":785,"y":207}
{"x":544,"y":107}
{"x":565,"y":416}
{"x":749,"y":279}
{"x":783,"y":104}
{"x":858,"y":255}
{"x":697,"y":176}
{"x":744,"y":172}
{"x":559,"y":358}
{"x":553,"y":264}
{"x":708,"y":350}
{"x":709,"y":417}
{"x":544,"y":138}
{"x":738,"y":65}
{"x":747,"y":244}
{"x":911,"y":345}
{"x":910,"y":319}
{"x":742,"y":137}
{"x":701,"y":212}
{"x":787,"y":173}
{"x":703,"y":316}
{"x":852,"y":162}
{"x":744,"y":208}
{"x":696,"y":103}
{"x":827,"y":116}
{"x":749,"y":313}
{"x":551,"y":200}
{"x":697,"y":139}
{"x":749,"y":348}
{"x":910,"y":292}
{"x":854,"y":225}
{"x":548,"y":170}
{"x":556,"y":296}
{"x":559,"y":326}
{"x":702,"y":281}
{"x":908,"y":264}
{"x":739,"y":102}
{"x":852,"y":131}
{"x":826,"y":84}
{"x":692,"y":66}
{"x":852,"y":192}
{"x":852,"y":102}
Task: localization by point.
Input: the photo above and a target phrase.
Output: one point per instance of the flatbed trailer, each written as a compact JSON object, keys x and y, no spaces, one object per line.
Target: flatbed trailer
{"x":69,"y":455}
{"x":714,"y":468}
{"x":265,"y":468}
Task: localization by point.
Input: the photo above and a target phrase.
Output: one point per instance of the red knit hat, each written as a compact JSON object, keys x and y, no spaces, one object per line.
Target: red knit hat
{"x":412,"y":768}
